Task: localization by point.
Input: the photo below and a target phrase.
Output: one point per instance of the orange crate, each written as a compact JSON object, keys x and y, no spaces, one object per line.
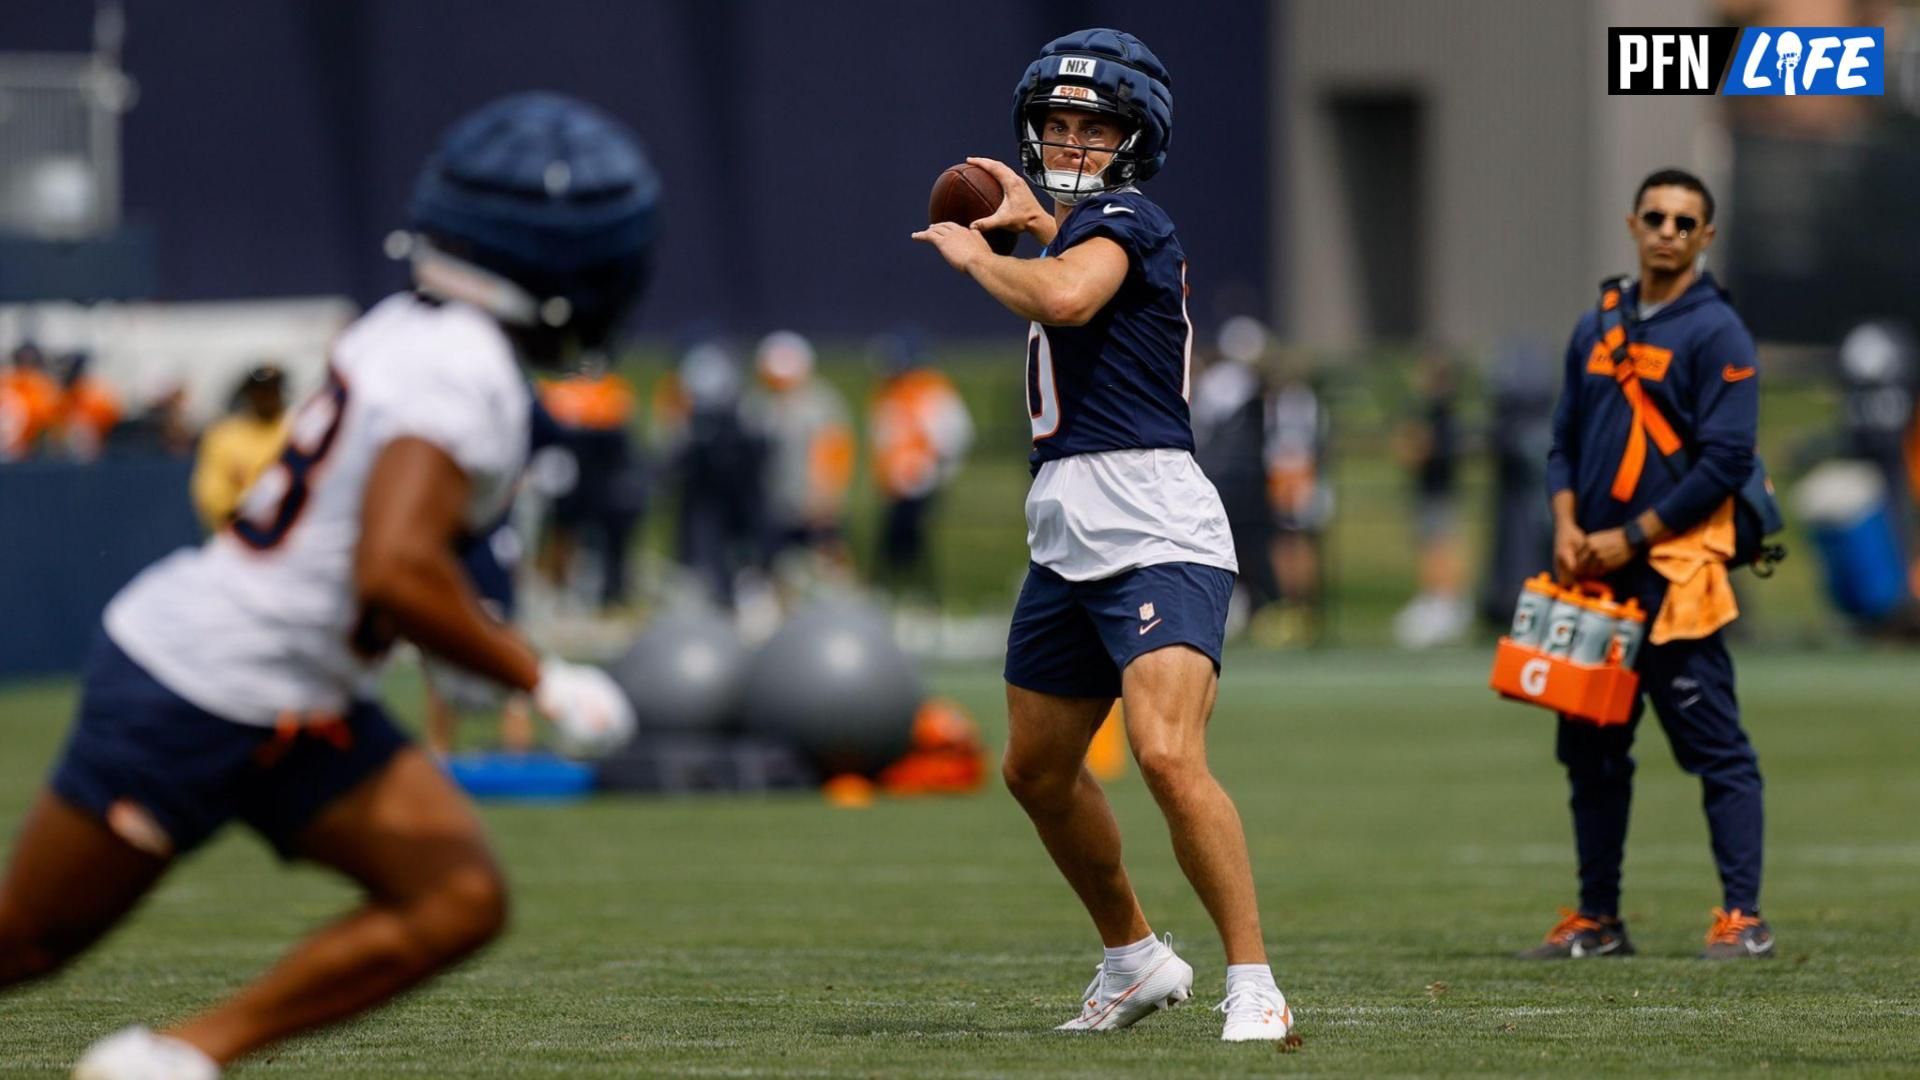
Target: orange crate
{"x":1597,"y":693}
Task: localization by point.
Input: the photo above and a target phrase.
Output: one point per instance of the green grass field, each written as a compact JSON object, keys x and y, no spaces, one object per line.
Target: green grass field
{"x":1408,"y":832}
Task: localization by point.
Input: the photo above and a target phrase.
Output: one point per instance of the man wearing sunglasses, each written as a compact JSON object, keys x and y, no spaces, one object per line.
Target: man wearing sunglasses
{"x":1651,"y":437}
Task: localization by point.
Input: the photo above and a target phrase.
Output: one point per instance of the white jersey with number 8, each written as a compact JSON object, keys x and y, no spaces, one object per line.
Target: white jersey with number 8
{"x":261,"y":623}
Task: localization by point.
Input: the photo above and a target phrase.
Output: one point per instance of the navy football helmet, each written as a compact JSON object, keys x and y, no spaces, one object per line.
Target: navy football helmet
{"x":1101,"y":71}
{"x":543,"y":211}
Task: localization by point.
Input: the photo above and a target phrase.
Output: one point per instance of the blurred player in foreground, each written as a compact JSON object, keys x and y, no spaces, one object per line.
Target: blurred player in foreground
{"x":1133,"y":563}
{"x":230,"y":682}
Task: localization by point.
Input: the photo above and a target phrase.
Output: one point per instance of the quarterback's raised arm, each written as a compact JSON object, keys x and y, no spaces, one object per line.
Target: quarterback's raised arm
{"x":1064,"y":290}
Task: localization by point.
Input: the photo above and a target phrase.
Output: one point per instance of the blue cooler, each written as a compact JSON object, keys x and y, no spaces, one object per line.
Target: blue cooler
{"x":1849,"y":516}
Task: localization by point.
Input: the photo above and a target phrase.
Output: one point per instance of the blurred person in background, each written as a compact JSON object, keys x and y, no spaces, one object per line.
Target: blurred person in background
{"x":1521,"y":436}
{"x":607,"y":498}
{"x":1300,"y":497}
{"x":240,"y":446}
{"x":158,"y":425}
{"x":29,"y":403}
{"x":89,"y":409}
{"x":1428,"y":446}
{"x":716,"y":464}
{"x":1230,"y":442}
{"x":1653,"y":439}
{"x":920,"y":431}
{"x":229,"y":680}
{"x":491,"y":561}
{"x":1879,"y":369}
{"x":811,"y":455}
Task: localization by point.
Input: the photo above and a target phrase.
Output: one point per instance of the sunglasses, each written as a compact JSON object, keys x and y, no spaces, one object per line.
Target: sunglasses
{"x":1685,"y":223}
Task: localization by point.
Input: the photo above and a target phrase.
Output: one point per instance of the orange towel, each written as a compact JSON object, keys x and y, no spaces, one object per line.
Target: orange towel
{"x":1700,"y":596}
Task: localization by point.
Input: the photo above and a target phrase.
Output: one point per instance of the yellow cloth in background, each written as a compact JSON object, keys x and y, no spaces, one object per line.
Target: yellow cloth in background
{"x":1700,"y":594}
{"x":233,"y":454}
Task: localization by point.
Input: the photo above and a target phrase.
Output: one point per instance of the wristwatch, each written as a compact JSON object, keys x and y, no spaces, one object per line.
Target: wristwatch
{"x":1636,"y":536}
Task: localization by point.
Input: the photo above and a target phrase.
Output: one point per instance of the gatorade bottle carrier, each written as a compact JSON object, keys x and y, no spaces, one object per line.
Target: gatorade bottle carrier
{"x":1543,"y":672}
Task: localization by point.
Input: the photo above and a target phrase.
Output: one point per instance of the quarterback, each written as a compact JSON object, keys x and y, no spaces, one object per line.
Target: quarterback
{"x":1132,"y":562}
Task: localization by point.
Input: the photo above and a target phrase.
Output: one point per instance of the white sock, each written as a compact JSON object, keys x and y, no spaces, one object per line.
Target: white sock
{"x":1250,"y":977}
{"x":1128,"y":959}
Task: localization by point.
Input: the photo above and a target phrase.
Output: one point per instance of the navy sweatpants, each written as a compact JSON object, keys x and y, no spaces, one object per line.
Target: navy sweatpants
{"x":1690,"y":685}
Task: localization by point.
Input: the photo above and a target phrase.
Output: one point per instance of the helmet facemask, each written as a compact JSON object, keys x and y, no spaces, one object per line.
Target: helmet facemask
{"x":552,"y":330}
{"x":1070,"y":186}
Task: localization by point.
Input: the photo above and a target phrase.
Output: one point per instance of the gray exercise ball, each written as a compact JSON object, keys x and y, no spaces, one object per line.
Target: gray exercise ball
{"x":833,"y":682}
{"x":683,"y":673}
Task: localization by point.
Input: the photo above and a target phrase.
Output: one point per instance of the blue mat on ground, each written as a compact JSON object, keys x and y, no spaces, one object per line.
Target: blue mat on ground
{"x":539,"y":777}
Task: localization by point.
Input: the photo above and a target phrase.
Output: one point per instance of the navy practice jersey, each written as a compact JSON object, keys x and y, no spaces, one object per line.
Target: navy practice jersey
{"x":1695,"y":363}
{"x":1120,"y":382}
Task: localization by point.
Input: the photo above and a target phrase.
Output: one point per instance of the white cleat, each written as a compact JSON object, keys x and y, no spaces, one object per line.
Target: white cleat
{"x":1109,"y":1005}
{"x":138,"y":1054}
{"x":1255,"y":1013}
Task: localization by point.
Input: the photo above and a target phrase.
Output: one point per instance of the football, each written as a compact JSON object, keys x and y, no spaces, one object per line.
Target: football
{"x":966,"y":193}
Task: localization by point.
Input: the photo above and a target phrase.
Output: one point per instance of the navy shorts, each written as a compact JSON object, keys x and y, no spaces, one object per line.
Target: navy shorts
{"x":1074,"y":638}
{"x":137,"y":741}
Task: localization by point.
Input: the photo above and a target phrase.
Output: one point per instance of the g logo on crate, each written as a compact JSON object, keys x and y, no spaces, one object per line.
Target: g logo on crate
{"x":1533,"y":676}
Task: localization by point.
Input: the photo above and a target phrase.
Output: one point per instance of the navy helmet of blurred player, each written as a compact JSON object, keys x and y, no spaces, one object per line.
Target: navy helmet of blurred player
{"x":1109,"y":72}
{"x":542,"y":211}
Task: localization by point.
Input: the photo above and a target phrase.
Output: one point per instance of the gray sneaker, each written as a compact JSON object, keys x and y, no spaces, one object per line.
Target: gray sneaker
{"x":1579,"y":936}
{"x":1737,"y":935}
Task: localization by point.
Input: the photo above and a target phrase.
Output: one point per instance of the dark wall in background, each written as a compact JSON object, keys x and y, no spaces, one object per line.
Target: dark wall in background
{"x":65,"y":531}
{"x":1824,"y":236}
{"x":275,"y":140}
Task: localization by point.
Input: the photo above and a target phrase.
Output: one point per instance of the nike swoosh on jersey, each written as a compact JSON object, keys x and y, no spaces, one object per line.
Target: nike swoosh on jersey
{"x":1734,"y":374}
{"x":1116,"y":208}
{"x":1151,"y":625}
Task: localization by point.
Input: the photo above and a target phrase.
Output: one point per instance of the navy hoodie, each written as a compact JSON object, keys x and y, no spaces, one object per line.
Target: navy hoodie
{"x":1695,"y":361}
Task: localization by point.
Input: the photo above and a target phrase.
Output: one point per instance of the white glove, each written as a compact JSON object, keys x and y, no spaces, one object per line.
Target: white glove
{"x":590,"y":713}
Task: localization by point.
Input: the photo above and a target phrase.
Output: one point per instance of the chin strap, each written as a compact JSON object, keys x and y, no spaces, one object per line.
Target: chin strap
{"x":452,"y":278}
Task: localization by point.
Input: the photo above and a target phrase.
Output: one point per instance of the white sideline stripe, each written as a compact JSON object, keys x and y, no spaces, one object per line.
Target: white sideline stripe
{"x":1884,"y":855}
